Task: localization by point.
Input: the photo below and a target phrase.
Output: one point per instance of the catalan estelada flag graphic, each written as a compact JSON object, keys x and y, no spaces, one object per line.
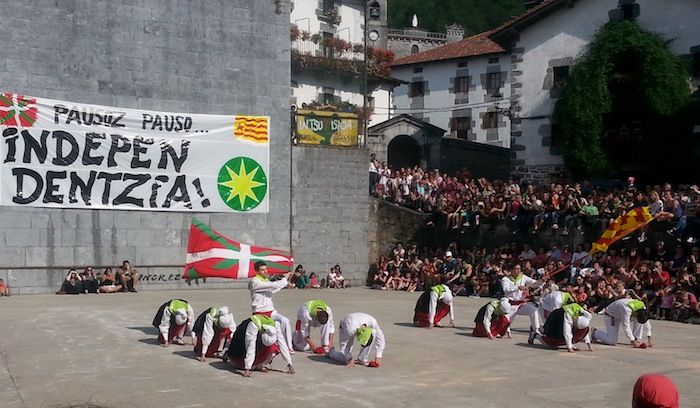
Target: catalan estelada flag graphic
{"x":621,"y":227}
{"x":252,"y":128}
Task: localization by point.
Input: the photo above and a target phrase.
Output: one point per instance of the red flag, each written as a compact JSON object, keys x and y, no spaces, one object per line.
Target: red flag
{"x":210,"y":254}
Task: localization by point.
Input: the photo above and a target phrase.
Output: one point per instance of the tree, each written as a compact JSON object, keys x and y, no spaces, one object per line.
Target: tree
{"x":620,"y":103}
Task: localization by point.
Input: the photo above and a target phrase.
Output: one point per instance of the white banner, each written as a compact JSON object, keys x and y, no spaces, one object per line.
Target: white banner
{"x":70,"y":155}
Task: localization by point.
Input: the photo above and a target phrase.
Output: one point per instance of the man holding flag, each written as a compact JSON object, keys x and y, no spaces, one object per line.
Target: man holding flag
{"x":261,"y":291}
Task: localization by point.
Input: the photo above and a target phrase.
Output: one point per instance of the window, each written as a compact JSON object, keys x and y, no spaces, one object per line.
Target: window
{"x":460,"y":127}
{"x":414,"y":49}
{"x":560,"y":76}
{"x":374,"y":11}
{"x":417,"y":70}
{"x":493,"y":82}
{"x":490,"y":120}
{"x":328,"y":6}
{"x":555,"y":135}
{"x":462,"y":64}
{"x":493,"y":60}
{"x":417,"y":89}
{"x":370,"y":102}
{"x":461,"y":84}
{"x":328,"y":96}
{"x":327,"y":40}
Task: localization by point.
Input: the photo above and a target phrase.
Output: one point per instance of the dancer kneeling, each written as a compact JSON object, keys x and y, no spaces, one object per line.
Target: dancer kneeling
{"x":364,"y":329}
{"x":492,"y":319}
{"x":171,"y":319}
{"x":314,"y":313}
{"x":565,"y":326}
{"x":432,"y":306}
{"x":213,"y":331}
{"x":256,"y":342}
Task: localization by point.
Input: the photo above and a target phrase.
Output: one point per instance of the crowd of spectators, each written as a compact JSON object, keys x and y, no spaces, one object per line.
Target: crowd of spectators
{"x":125,"y":279}
{"x":668,"y":280}
{"x":465,"y":202}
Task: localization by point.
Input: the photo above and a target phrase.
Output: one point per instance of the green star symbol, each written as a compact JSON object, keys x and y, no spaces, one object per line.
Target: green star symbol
{"x":242,"y":183}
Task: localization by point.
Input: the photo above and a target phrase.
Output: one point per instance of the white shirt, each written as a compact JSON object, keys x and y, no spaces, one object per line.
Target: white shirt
{"x":488,"y":316}
{"x":622,"y":314}
{"x":511,"y":290}
{"x":251,"y":338}
{"x":568,"y":329}
{"x":432,"y":306}
{"x":350,"y":323}
{"x":307,"y":322}
{"x":261,"y":293}
{"x":208,"y":332}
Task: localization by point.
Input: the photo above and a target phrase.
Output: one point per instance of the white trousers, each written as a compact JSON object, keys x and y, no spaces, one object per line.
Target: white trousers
{"x":344,"y":351}
{"x":300,"y":343}
{"x":611,"y":333}
{"x":528,"y":309}
{"x":285,"y":327}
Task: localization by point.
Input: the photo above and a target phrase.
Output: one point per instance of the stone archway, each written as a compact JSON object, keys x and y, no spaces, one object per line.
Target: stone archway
{"x":403,"y":151}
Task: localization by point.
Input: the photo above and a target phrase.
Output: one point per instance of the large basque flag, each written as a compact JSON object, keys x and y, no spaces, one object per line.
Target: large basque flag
{"x":210,"y":254}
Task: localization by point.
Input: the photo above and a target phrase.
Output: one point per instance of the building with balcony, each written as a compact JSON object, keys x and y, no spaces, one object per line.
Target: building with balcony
{"x":328,"y":56}
{"x":409,"y":41}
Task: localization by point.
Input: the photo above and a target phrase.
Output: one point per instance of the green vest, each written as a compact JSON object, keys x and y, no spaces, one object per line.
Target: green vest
{"x":214,"y":313}
{"x":262,"y":278}
{"x":566,"y":298}
{"x":573,"y":309}
{"x":363,"y":334}
{"x":313,"y":305}
{"x":176,"y":305}
{"x":496,"y":304}
{"x":261,"y":320}
{"x":636,"y":305}
{"x":439,"y":290}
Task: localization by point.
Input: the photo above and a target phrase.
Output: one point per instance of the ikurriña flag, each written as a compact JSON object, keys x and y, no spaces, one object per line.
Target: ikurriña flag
{"x":212,"y":255}
{"x":621,"y":227}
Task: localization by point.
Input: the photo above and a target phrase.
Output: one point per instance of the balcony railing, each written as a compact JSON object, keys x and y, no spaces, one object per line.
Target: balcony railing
{"x":315,"y":49}
{"x":417,"y":33}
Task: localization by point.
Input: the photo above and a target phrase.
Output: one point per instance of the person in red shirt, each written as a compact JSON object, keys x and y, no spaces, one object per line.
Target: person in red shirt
{"x":661,"y":278}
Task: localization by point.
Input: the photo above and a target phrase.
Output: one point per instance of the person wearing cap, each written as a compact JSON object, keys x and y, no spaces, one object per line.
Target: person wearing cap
{"x":492,"y":319}
{"x":261,"y":291}
{"x":629,"y":314}
{"x":213,"y":330}
{"x":434,"y":304}
{"x":314,"y":313}
{"x":255,"y":343}
{"x":565,"y":326}
{"x":363,"y":329}
{"x":171,"y":320}
{"x":655,"y":391}
{"x":516,"y":287}
{"x":554,"y":300}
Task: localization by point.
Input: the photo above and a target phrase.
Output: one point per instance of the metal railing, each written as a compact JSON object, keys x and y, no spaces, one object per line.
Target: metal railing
{"x":319,"y":50}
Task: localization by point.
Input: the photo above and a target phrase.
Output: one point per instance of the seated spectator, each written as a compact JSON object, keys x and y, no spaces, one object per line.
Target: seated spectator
{"x":313,"y":281}
{"x":4,"y":289}
{"x":108,"y":282}
{"x":72,"y":285}
{"x":128,"y":277}
{"x":302,"y":280}
{"x":339,"y":278}
{"x":332,"y":281}
{"x":90,"y":283}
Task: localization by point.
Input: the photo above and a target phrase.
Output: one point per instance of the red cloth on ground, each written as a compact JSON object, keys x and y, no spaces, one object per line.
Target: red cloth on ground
{"x":499,"y":326}
{"x":262,"y":355}
{"x":654,"y":391}
{"x":578,"y":335}
{"x":420,"y":319}
{"x":175,"y":331}
{"x":219,"y":336}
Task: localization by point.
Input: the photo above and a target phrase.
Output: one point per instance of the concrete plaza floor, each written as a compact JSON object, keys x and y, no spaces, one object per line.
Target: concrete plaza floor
{"x":100,"y":349}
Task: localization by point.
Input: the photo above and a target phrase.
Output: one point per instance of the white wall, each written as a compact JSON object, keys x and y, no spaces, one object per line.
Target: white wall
{"x":439,"y":103}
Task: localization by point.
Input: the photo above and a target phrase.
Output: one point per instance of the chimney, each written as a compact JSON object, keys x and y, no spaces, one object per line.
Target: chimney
{"x":455,"y":33}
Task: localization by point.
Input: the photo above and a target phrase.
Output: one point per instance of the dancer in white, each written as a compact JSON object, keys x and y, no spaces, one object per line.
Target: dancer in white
{"x":364,"y":329}
{"x":515,"y":288}
{"x":632,"y":316}
{"x":261,"y":291}
{"x":314,"y":313}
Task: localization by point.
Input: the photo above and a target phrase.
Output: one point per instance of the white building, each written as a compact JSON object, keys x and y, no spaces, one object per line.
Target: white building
{"x":499,"y":87}
{"x":327,"y":55}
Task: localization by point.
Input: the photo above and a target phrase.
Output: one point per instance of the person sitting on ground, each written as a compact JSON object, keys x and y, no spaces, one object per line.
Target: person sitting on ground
{"x":90,"y":283}
{"x":128,"y":277}
{"x":339,"y":278}
{"x":313,"y":281}
{"x":302,"y":281}
{"x":72,"y":285}
{"x":171,"y":320}
{"x":213,"y":331}
{"x":108,"y":282}
{"x":331,"y":281}
{"x":4,"y":289}
{"x":256,"y":342}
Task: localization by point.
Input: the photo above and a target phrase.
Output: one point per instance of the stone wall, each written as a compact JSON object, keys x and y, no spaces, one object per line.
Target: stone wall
{"x":331,"y":208}
{"x":390,"y":224}
{"x":220,"y":57}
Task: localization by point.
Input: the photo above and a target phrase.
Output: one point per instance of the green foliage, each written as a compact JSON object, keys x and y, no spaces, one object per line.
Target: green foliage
{"x":474,"y":15}
{"x":654,"y":85}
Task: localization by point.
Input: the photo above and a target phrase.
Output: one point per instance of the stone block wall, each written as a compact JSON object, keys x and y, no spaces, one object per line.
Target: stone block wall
{"x":217,"y":57}
{"x":331,"y":210}
{"x":390,"y":224}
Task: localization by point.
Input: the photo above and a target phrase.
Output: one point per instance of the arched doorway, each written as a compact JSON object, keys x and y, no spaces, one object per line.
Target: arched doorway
{"x":404,"y":151}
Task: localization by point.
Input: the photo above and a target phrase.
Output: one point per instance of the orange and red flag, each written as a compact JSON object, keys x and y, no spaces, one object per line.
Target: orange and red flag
{"x":621,"y":227}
